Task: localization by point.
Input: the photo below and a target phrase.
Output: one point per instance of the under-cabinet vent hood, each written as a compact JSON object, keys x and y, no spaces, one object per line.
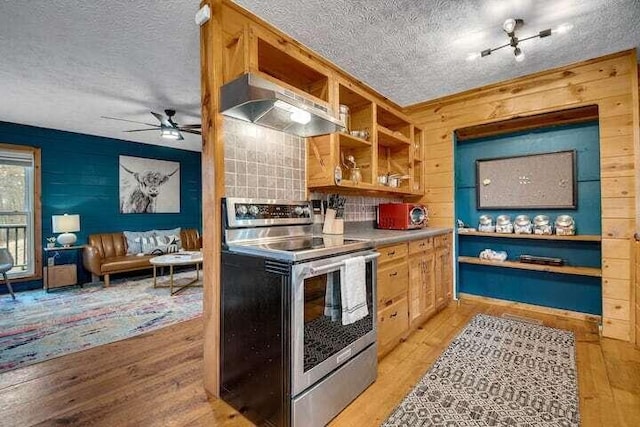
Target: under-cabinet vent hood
{"x":260,"y":101}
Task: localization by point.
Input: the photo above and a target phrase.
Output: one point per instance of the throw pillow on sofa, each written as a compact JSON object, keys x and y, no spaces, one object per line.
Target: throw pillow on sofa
{"x":134,"y":245}
{"x":174,"y":232}
{"x":156,"y":245}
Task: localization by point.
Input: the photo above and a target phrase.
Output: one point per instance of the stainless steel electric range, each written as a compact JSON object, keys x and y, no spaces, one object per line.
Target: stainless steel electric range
{"x":283,"y":361}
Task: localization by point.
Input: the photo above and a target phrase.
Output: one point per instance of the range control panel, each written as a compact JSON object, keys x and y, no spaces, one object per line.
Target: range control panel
{"x":264,"y":211}
{"x":258,"y":212}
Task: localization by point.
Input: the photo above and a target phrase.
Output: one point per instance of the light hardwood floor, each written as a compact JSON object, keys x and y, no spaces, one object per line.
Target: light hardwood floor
{"x":156,"y":379}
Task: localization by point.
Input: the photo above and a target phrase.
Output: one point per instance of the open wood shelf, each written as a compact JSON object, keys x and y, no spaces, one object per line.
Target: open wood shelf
{"x":389,"y":138}
{"x":579,"y":238}
{"x":347,"y":140}
{"x":565,"y":269}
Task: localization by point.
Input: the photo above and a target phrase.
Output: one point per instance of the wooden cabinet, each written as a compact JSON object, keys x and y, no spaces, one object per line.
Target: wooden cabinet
{"x":60,"y":275}
{"x":392,"y":291}
{"x":414,"y":282}
{"x":421,"y":287}
{"x":443,"y":270}
{"x":389,"y":144}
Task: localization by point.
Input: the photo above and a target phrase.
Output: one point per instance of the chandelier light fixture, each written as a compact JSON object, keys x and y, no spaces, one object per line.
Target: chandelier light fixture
{"x":510,"y":26}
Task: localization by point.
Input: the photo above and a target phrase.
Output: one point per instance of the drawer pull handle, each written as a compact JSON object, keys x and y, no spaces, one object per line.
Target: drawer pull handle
{"x":392,"y":253}
{"x":394,"y":314}
{"x":395,"y":273}
{"x":421,"y":245}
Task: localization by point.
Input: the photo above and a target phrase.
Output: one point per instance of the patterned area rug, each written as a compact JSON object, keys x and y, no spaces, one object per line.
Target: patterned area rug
{"x":38,"y":326}
{"x":497,"y":372}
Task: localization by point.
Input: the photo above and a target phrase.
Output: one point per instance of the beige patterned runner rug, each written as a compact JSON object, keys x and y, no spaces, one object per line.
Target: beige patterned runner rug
{"x":497,"y":372}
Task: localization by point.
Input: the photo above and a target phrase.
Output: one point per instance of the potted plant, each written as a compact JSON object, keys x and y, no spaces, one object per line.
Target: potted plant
{"x":51,"y":242}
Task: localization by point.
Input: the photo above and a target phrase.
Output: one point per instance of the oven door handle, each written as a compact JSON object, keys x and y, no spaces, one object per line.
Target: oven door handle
{"x":314,"y":271}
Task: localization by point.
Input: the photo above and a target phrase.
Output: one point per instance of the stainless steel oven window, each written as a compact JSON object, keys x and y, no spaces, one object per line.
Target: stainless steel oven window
{"x":321,"y":343}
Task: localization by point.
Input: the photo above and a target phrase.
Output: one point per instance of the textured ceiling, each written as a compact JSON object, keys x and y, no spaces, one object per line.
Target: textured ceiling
{"x":65,"y":63}
{"x":416,"y":50}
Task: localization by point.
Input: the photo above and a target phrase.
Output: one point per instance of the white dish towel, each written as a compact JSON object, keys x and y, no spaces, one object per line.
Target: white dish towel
{"x":353,"y":290}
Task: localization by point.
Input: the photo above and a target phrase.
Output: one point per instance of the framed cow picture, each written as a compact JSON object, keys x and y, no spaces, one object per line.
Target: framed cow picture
{"x":149,"y":185}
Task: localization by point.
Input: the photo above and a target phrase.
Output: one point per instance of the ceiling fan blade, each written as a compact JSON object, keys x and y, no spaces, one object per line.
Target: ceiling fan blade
{"x":141,"y":130}
{"x":130,"y":121}
{"x":195,"y":132}
{"x":163,"y":120}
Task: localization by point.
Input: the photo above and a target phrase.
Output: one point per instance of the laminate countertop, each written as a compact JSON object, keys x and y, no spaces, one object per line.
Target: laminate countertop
{"x":365,"y":231}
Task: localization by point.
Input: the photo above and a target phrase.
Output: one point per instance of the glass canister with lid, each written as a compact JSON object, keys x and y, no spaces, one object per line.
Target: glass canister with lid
{"x":565,"y":225}
{"x":485,"y":223}
{"x":522,"y":225}
{"x":542,"y":225}
{"x":503,"y":224}
{"x":345,"y":117}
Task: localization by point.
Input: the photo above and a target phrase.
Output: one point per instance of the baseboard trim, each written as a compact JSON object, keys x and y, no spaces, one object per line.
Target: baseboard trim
{"x":531,"y":307}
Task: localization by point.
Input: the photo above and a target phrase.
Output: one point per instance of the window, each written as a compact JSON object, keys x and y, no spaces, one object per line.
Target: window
{"x":20,"y":208}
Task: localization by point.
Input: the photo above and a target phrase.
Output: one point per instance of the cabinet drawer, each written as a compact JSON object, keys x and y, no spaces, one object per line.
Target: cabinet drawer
{"x":442,"y":241}
{"x":60,"y":275}
{"x":393,"y":322}
{"x":420,"y":245}
{"x":390,"y":253}
{"x":393,"y":280}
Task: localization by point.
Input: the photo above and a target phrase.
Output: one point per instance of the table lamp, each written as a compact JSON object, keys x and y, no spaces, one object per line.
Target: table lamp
{"x":67,"y":225}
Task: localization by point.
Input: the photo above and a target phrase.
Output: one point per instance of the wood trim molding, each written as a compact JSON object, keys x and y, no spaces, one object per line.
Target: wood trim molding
{"x":211,"y":39}
{"x":37,"y":207}
{"x":532,"y":307}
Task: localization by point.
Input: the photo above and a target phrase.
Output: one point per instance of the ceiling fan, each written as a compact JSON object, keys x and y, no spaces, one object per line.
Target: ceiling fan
{"x":169,"y":129}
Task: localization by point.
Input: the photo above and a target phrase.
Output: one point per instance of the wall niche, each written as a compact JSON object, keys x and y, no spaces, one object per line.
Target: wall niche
{"x":576,"y":285}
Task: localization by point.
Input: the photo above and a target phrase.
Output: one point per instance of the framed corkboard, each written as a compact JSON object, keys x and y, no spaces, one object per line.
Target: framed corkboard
{"x":534,"y":181}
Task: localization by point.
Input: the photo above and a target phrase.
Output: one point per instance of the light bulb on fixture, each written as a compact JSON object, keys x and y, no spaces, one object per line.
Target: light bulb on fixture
{"x":563,"y":28}
{"x":509,"y":25}
{"x":519,"y":54}
{"x":301,"y":117}
{"x":297,"y":115}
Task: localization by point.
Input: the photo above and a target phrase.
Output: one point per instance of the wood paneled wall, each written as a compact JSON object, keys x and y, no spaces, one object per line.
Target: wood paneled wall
{"x":611,"y":83}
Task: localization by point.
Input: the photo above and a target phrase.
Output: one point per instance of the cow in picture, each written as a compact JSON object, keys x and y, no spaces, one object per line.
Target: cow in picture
{"x":142,"y":197}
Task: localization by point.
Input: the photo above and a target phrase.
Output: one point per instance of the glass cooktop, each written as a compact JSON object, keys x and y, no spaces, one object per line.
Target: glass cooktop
{"x":301,"y":248}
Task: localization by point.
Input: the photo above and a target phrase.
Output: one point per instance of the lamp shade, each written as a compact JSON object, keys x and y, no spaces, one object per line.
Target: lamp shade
{"x":65,"y":223}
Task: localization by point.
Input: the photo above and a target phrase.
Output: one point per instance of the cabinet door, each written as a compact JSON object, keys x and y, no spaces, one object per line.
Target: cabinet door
{"x":416,"y":287}
{"x":427,"y":298}
{"x":443,"y":276}
{"x":393,"y":324}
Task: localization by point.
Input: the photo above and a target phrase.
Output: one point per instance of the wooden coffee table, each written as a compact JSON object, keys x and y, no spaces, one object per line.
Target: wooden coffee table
{"x":172,"y":260}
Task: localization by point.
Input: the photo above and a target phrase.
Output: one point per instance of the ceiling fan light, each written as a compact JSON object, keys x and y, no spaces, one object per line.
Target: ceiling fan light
{"x":170,"y":133}
{"x":519,"y":54}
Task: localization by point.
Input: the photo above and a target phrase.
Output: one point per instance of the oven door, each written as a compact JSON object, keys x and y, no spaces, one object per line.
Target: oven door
{"x":321,"y":343}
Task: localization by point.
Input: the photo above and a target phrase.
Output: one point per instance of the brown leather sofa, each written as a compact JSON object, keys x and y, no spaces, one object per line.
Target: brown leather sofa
{"x":106,"y":253}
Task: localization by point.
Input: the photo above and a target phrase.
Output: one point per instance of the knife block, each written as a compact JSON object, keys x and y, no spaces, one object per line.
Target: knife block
{"x":332,"y":225}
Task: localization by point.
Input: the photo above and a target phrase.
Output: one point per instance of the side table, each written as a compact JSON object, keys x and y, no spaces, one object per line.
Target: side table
{"x":56,"y":276}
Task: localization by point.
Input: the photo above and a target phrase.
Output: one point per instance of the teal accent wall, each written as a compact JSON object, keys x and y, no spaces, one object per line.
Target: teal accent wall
{"x":576,"y":293}
{"x":80,"y":175}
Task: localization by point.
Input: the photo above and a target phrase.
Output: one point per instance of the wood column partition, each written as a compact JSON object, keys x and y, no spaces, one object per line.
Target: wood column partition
{"x":212,"y":189}
{"x":611,"y":83}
